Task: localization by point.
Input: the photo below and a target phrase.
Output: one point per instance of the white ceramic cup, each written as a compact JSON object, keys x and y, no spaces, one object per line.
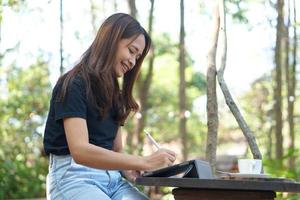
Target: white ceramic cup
{"x":250,"y":166}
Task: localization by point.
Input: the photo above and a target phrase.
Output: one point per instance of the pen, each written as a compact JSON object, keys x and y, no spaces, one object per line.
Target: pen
{"x":152,"y":140}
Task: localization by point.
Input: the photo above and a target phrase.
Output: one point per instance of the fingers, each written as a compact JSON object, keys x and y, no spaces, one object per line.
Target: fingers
{"x":131,"y":175}
{"x":135,"y":174}
{"x":170,"y":152}
{"x":169,"y":156}
{"x":159,"y":159}
{"x":172,"y":158}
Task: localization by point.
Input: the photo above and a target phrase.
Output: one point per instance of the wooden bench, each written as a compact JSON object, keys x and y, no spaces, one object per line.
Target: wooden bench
{"x":222,"y":189}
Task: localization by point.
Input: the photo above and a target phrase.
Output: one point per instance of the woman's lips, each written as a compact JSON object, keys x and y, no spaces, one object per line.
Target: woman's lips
{"x":124,"y":68}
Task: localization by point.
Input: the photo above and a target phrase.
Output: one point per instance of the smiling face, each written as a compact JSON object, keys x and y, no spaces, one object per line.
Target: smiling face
{"x":129,"y":51}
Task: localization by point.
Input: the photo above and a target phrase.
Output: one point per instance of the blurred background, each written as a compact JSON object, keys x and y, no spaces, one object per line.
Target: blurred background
{"x":40,"y":40}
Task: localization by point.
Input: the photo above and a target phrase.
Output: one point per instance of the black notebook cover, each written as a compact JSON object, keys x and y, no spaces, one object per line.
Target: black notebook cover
{"x":187,"y":169}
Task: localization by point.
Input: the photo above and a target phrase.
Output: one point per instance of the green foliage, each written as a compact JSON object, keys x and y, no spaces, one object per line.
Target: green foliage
{"x":258,"y":109}
{"x":164,"y":45}
{"x":1,"y":11}
{"x":22,"y":114}
{"x":198,"y":81}
{"x":13,"y":4}
{"x":237,"y":10}
{"x":280,"y":168}
{"x":163,"y":100}
{"x":167,"y":193}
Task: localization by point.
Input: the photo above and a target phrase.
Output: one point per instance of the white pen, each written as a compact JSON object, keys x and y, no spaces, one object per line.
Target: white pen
{"x":152,"y":140}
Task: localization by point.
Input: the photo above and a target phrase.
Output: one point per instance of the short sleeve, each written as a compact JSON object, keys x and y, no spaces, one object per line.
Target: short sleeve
{"x":74,"y":103}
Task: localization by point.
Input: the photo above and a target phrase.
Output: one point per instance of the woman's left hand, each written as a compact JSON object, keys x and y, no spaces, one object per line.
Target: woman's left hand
{"x":131,"y":175}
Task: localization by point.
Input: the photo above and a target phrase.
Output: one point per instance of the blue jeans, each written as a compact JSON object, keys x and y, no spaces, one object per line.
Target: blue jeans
{"x":68,"y":180}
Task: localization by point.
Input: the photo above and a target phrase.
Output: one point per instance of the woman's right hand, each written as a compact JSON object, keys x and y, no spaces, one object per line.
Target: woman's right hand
{"x":159,"y":159}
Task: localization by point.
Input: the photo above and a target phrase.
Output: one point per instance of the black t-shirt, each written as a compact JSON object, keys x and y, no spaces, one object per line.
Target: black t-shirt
{"x":75,"y":104}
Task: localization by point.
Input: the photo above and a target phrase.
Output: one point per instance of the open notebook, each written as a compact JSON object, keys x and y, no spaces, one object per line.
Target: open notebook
{"x":188,"y":169}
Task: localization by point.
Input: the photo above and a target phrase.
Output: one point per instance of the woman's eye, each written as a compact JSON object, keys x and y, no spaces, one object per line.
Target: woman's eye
{"x":130,"y":51}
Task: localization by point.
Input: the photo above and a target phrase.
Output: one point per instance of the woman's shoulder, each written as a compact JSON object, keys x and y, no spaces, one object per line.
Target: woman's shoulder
{"x":77,"y":80}
{"x":75,"y":83}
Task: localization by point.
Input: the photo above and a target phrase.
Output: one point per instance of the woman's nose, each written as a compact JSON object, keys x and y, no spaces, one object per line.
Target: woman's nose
{"x":132,"y":62}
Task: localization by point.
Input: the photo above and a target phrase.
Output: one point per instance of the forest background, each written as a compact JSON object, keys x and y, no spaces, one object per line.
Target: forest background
{"x":39,"y":40}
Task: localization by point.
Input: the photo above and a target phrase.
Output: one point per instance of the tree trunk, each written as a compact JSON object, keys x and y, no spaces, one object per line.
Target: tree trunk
{"x":287,"y":67}
{"x":288,"y":77}
{"x":132,"y":7}
{"x":212,"y":105}
{"x":270,"y":143}
{"x":229,"y":100}
{"x":182,"y":85}
{"x":292,"y":98}
{"x":144,"y":87}
{"x":93,"y":16}
{"x":131,"y":140}
{"x":278,"y":84}
{"x":115,"y":5}
{"x":61,"y":20}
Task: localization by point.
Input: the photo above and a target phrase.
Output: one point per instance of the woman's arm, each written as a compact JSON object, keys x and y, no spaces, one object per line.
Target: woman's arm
{"x":91,"y":155}
{"x":130,"y":175}
{"x":118,"y":143}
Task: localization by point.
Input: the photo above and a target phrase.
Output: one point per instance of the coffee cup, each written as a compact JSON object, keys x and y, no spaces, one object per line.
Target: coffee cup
{"x":250,"y":166}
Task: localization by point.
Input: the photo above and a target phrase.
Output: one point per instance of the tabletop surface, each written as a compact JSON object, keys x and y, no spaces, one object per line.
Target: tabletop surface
{"x":276,"y":185}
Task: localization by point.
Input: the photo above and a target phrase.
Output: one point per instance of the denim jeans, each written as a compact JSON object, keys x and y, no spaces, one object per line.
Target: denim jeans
{"x":68,"y":180}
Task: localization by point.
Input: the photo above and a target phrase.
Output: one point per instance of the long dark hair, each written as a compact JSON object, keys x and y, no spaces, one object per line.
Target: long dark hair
{"x":97,"y":69}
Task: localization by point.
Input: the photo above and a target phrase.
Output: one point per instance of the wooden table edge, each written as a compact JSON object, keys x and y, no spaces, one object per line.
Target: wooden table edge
{"x":277,"y":186}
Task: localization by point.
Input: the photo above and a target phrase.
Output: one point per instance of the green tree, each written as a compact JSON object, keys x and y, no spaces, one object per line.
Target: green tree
{"x":163,"y":113}
{"x":23,"y":109}
{"x":257,"y":104}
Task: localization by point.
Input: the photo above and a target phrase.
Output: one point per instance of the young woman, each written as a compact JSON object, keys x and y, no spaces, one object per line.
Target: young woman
{"x":87,"y":108}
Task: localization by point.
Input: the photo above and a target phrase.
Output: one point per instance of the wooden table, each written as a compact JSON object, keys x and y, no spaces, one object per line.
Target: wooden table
{"x":222,"y":189}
